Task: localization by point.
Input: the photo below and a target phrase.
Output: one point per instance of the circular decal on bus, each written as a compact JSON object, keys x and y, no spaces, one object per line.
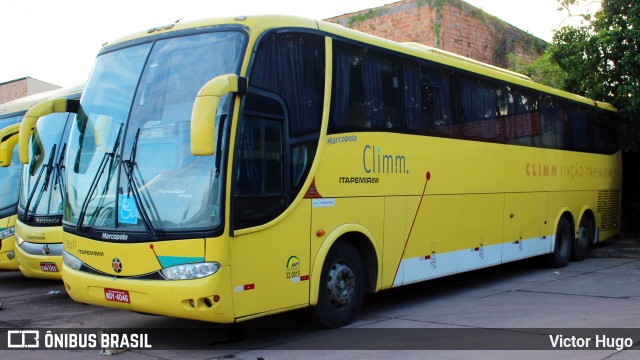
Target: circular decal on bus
{"x":117,"y":265}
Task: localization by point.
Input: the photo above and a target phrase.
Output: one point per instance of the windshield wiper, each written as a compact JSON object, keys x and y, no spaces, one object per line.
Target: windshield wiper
{"x":132,"y":186}
{"x":106,"y":159}
{"x":45,"y":184}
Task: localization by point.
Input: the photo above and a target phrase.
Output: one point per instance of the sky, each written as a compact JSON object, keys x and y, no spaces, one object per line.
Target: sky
{"x":56,"y":41}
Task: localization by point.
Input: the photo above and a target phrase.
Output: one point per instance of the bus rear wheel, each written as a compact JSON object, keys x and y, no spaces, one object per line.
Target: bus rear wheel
{"x":586,"y":234}
{"x":562,"y":248}
{"x":341,"y":286}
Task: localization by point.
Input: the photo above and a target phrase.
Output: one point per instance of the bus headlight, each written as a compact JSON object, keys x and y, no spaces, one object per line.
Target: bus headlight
{"x":5,"y":233}
{"x":190,"y":271}
{"x":71,"y":261}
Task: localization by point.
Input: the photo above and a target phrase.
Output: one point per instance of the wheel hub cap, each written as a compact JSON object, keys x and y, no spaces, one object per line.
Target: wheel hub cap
{"x":341,"y":285}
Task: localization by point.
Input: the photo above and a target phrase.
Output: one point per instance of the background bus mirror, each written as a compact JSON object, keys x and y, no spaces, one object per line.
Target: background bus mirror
{"x":205,"y":108}
{"x":8,"y":140}
{"x":31,"y":118}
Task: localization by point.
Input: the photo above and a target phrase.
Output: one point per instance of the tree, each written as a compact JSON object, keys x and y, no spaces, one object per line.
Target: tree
{"x":602,"y":57}
{"x":543,"y":70}
{"x":602,"y":61}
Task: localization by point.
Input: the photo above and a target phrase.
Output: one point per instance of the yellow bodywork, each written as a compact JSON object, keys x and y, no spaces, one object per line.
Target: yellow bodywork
{"x":58,"y":105}
{"x":35,"y":263}
{"x":193,"y":299}
{"x":8,"y":261}
{"x":38,"y":265}
{"x":423,"y":207}
{"x":10,"y":136}
{"x":8,"y":152}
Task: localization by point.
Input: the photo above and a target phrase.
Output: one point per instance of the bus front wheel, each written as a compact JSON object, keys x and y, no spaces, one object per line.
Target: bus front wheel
{"x":341,"y":286}
{"x":562,"y":248}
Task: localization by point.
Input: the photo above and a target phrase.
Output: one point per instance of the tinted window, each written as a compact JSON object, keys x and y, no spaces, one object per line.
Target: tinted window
{"x":523,"y":125}
{"x":426,"y":94}
{"x":292,"y":65}
{"x":280,"y":125}
{"x":443,"y":101}
{"x":481,"y":104}
{"x":367,"y":92}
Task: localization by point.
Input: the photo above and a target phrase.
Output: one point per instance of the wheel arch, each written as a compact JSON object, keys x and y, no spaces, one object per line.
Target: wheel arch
{"x":560,"y":251}
{"x":564,"y":212}
{"x":367,"y":247}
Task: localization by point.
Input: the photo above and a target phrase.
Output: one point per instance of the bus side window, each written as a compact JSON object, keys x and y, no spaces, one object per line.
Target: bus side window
{"x":606,"y":132}
{"x":580,"y":121}
{"x":482,"y":102}
{"x":367,"y":91}
{"x":550,"y":112}
{"x":291,"y":65}
{"x":427,"y":106}
{"x":523,"y":126}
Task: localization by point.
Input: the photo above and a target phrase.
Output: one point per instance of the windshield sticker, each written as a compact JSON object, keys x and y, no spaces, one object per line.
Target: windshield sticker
{"x":127,"y":210}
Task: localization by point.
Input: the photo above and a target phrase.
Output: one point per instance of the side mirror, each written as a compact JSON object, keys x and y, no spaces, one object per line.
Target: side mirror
{"x":59,"y":105}
{"x":205,"y":109}
{"x":8,"y":140}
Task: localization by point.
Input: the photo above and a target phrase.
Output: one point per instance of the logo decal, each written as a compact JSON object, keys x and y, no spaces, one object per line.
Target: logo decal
{"x":117,"y":265}
{"x":166,"y":261}
{"x":45,"y":249}
{"x":293,"y":270}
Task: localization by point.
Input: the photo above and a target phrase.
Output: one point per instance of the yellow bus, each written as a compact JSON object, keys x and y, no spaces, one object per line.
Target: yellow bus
{"x":11,"y":114}
{"x":227,"y":169}
{"x":38,"y":229}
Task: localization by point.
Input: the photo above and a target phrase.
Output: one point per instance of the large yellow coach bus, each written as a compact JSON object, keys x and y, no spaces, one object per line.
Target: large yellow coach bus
{"x":11,"y":114}
{"x":39,"y":226}
{"x":226,"y":169}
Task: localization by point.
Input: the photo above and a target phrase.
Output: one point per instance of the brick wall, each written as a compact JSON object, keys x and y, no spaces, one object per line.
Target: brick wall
{"x":22,"y":87}
{"x":13,"y":90}
{"x":463,"y":29}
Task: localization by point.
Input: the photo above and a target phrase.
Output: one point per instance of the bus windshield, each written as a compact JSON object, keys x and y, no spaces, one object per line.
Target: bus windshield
{"x":10,"y":175}
{"x":41,"y":192}
{"x":129,"y":164}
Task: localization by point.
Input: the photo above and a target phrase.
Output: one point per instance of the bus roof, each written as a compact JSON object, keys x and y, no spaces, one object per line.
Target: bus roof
{"x":68,"y":91}
{"x":24,"y":103}
{"x":260,"y":23}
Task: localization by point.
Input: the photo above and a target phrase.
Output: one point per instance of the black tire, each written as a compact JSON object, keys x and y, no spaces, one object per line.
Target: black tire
{"x":562,"y":249}
{"x":582,"y":242}
{"x":342,"y":285}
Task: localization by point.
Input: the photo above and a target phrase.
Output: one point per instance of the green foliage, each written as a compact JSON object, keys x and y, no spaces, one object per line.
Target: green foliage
{"x":602,"y":58}
{"x":437,"y":25}
{"x":542,"y":70}
{"x":370,"y":14}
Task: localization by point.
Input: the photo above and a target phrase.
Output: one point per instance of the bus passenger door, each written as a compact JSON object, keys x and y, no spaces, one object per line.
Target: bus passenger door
{"x":270,"y":267}
{"x":275,"y":145}
{"x":270,"y":247}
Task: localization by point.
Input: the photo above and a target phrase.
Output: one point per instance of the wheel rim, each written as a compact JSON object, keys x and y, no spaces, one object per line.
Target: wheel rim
{"x":341,"y":284}
{"x":583,"y":237}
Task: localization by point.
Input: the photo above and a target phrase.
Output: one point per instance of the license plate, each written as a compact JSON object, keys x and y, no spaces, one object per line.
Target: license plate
{"x":48,"y":267}
{"x":121,"y":296}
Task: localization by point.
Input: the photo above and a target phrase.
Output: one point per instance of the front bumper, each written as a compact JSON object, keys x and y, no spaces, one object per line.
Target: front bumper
{"x":205,"y":299}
